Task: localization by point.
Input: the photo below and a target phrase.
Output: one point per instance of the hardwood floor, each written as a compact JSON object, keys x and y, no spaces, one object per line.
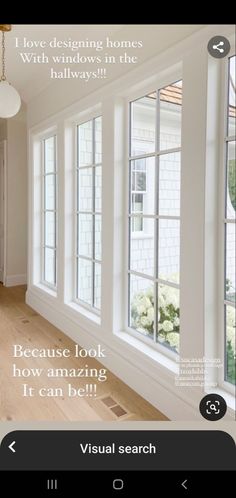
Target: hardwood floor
{"x":19,"y":324}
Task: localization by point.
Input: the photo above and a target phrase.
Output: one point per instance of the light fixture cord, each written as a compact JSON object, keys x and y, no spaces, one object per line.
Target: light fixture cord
{"x":3,"y":77}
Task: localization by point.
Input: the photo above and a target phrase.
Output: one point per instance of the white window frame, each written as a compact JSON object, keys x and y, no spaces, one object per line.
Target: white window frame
{"x":148,"y":89}
{"x":44,"y":210}
{"x":223,"y":383}
{"x":91,"y":308}
{"x":138,"y":192}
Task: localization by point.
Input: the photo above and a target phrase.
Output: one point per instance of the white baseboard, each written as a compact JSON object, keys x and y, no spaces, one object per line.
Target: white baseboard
{"x":120,"y":361}
{"x":12,"y":280}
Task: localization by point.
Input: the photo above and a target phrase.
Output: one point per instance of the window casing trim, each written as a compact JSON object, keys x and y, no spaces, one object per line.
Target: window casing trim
{"x":36,"y":239}
{"x":82,"y":305}
{"x":173,"y":76}
{"x":43,"y":138}
{"x":223,"y":221}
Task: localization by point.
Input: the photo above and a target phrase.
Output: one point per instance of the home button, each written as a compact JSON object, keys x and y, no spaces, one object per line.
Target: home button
{"x":118,"y":484}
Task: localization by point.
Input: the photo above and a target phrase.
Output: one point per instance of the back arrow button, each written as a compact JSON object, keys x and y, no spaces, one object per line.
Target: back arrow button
{"x":184,"y":484}
{"x":11,"y":446}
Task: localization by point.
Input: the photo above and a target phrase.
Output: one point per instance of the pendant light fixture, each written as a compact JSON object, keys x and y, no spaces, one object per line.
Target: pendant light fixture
{"x":10,"y":101}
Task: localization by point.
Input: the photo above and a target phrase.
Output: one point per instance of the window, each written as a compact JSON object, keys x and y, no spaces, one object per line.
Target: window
{"x":229,"y":230}
{"x":89,"y":214}
{"x":49,"y":259}
{"x":154,"y":209}
{"x":137,"y":206}
{"x":138,"y":180}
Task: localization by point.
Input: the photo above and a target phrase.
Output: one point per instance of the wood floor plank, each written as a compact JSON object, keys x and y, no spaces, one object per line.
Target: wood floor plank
{"x":20,"y":324}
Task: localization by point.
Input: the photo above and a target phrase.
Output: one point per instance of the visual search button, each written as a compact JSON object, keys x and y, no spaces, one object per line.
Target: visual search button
{"x":213,"y":407}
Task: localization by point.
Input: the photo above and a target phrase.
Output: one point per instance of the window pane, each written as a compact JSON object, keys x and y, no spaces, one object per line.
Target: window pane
{"x":50,"y":229}
{"x":168,"y":316}
{"x":230,"y":345}
{"x":49,"y":155}
{"x":137,"y":224}
{"x":50,"y":198}
{"x":97,"y":286}
{"x":231,"y":181}
{"x":98,"y":237}
{"x":169,"y":184}
{"x":85,"y":189}
{"x":85,"y":235}
{"x":85,"y":280}
{"x":143,"y":181}
{"x":142,"y":305}
{"x":140,"y":165}
{"x":169,"y":250}
{"x":137,"y":203}
{"x":143,"y":117}
{"x":170,"y":116}
{"x":138,"y":175}
{"x":139,"y":181}
{"x":85,"y":135}
{"x":232,"y":103}
{"x":142,"y":248}
{"x":98,"y":140}
{"x":230,"y":262}
{"x":98,"y":189}
{"x":50,"y":266}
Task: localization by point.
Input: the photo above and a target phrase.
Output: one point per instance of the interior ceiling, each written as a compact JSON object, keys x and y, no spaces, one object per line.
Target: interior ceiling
{"x":31,"y":79}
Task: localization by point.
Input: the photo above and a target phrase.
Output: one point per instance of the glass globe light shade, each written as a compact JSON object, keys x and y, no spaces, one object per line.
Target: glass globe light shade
{"x":10,"y":101}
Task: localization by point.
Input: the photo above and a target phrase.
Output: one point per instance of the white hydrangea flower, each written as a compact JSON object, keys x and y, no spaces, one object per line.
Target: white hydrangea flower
{"x":171,"y":297}
{"x":150,"y":314}
{"x":176,"y":321}
{"x":149,"y":293}
{"x":161,"y":299}
{"x":167,"y":326}
{"x":141,"y":309}
{"x":145,"y":322}
{"x":145,"y":301}
{"x":173,"y":339}
{"x":175,"y":301}
{"x":230,"y":316}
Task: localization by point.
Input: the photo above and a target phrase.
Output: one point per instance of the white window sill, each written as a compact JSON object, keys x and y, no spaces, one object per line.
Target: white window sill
{"x":148,"y":351}
{"x":45,"y":288}
{"x":141,"y":235}
{"x":170,"y":365}
{"x":86,"y":313}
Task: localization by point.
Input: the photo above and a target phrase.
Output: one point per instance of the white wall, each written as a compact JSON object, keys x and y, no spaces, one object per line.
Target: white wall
{"x":16,"y":199}
{"x":3,"y":129}
{"x":2,"y":208}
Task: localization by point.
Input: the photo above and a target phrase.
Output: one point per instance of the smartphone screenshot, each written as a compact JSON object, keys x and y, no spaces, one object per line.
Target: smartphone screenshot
{"x":117,"y":257}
